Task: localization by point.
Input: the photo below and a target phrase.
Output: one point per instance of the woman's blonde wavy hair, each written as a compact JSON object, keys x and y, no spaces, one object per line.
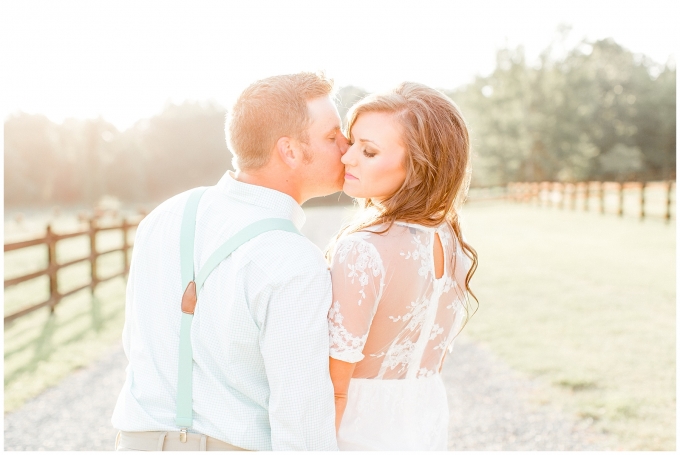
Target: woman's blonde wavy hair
{"x":437,"y":164}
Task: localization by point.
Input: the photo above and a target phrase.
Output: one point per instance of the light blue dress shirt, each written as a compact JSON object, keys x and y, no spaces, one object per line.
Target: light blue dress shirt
{"x":259,"y":334}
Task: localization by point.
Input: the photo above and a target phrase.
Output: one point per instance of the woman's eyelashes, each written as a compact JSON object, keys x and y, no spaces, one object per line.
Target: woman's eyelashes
{"x":365,"y":151}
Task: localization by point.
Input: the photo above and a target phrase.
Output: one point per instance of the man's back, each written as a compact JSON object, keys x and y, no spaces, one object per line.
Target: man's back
{"x":259,"y":334}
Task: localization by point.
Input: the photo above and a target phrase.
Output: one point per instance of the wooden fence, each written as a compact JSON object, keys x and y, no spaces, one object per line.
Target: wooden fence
{"x":551,"y":194}
{"x":50,"y":241}
{"x":567,"y":195}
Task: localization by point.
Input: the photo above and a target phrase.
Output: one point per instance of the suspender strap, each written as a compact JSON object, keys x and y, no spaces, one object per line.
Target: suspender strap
{"x":245,"y":234}
{"x":186,"y":243}
{"x":184,"y":416}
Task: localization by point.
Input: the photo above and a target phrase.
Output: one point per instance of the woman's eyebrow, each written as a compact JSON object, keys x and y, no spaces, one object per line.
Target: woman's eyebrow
{"x":368,"y":140}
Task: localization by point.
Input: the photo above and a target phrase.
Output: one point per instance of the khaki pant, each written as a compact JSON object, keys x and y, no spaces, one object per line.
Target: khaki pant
{"x":168,"y":440}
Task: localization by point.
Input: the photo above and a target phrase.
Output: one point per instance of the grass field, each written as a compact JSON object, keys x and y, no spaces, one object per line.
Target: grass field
{"x":583,"y":302}
{"x":586,"y":303}
{"x":42,"y":348}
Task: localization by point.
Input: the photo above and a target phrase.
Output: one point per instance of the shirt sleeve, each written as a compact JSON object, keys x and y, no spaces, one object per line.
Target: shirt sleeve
{"x":358,"y":278}
{"x":294,"y":346}
{"x":130,"y":290}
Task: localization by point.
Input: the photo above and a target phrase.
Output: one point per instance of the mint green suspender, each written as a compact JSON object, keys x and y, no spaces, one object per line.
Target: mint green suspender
{"x":184,"y":417}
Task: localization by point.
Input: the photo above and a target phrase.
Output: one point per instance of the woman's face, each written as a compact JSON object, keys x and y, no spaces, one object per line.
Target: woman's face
{"x":374,"y":162}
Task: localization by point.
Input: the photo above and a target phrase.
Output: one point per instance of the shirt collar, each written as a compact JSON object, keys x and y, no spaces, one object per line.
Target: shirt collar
{"x":283,"y":205}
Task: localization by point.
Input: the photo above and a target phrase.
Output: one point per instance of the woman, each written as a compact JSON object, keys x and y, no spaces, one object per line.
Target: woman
{"x":401,"y":271}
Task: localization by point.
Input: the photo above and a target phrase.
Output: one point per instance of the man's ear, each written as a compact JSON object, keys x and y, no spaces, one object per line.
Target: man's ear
{"x":290,"y":151}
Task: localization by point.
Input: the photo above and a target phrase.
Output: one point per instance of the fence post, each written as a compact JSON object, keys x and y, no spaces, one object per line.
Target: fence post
{"x":52,"y":267}
{"x":586,"y":197}
{"x":620,"y":198}
{"x":602,"y":198}
{"x":126,"y":267}
{"x":668,"y":201}
{"x":642,"y":200}
{"x":93,"y":254}
{"x":536,"y":189}
{"x":574,"y":195}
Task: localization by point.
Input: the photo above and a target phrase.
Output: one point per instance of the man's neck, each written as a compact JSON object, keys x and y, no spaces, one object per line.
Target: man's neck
{"x":271,"y":180}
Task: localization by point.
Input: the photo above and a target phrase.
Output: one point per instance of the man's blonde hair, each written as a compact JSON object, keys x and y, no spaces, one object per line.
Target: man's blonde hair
{"x":269,"y":109}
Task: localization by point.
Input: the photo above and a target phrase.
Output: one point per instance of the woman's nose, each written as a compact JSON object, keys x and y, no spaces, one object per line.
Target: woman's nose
{"x":346,"y":157}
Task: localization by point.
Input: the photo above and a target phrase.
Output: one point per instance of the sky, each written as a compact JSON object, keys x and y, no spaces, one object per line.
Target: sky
{"x":125,"y":60}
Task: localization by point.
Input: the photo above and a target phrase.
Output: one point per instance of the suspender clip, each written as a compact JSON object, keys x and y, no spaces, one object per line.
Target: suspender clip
{"x":183,"y":435}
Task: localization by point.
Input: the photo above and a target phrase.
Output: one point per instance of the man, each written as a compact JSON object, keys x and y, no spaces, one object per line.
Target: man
{"x":259,"y":332}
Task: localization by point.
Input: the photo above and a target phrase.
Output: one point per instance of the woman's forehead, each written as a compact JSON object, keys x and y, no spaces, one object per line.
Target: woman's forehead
{"x":378,"y":127}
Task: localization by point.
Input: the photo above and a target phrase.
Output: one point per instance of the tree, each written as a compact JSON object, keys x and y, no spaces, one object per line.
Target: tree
{"x":597,"y":112}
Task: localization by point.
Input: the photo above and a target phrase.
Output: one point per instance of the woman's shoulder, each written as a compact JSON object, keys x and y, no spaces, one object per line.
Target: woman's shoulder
{"x":359,"y":240}
{"x":383,"y":239}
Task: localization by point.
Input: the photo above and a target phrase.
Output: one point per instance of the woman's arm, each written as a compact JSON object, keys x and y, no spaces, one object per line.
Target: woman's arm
{"x":356,"y":288}
{"x":341,"y":373}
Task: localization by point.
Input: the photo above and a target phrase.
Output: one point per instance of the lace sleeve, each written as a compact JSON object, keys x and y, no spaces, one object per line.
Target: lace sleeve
{"x":358,"y":278}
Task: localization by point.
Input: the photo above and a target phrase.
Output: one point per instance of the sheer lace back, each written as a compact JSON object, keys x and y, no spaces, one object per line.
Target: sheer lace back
{"x":390,"y":314}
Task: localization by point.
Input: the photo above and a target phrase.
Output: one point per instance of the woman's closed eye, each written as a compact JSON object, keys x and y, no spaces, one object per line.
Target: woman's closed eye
{"x":368,"y":154}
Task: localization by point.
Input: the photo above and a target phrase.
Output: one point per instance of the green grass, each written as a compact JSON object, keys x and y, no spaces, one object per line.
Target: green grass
{"x":586,"y":303}
{"x":42,"y":348}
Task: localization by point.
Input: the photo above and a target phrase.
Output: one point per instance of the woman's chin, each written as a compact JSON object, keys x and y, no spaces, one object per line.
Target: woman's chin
{"x":351,"y":192}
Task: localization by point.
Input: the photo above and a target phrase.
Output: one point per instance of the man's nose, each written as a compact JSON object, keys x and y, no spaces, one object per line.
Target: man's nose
{"x":346,"y":157}
{"x":343,"y":143}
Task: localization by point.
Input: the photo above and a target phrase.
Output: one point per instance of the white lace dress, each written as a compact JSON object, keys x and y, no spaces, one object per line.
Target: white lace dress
{"x":395,"y":320}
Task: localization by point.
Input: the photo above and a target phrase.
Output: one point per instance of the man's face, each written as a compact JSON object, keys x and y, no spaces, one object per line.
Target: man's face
{"x":324,"y":173}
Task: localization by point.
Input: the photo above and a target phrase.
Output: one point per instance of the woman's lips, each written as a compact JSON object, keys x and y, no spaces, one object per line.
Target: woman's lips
{"x":349,"y":176}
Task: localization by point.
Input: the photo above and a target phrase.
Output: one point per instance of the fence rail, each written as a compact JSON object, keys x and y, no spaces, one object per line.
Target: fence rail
{"x":563,"y":195}
{"x":50,"y":240}
{"x":551,"y":194}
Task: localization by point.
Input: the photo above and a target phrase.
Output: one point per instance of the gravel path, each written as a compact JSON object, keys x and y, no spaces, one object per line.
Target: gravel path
{"x":76,"y":414}
{"x":491,"y":409}
{"x":491,"y":405}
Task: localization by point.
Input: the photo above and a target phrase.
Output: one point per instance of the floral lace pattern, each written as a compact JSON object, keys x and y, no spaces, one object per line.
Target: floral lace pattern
{"x":343,"y":344}
{"x":385,"y":295}
{"x":398,"y":354}
{"x":420,"y":251}
{"x":367,"y":261}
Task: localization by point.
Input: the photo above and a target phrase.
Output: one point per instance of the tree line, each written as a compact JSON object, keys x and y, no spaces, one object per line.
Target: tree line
{"x":597,"y":112}
{"x":80,"y":161}
{"x":594,"y":112}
